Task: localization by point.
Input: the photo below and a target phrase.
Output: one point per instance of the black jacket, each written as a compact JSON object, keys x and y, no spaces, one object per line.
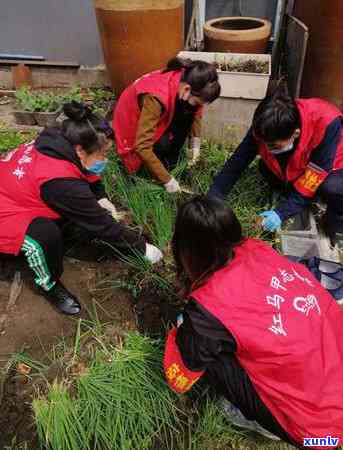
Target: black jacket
{"x":205,"y":344}
{"x":323,"y":156}
{"x":77,"y":200}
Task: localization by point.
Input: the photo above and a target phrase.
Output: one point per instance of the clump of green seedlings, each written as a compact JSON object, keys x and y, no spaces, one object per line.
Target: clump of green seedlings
{"x":151,"y":208}
{"x":25,"y":100}
{"x":10,"y":139}
{"x":213,"y":157}
{"x":118,"y":401}
{"x":249,"y":197}
{"x":75,"y":93}
{"x":100,"y":100}
{"x":36,"y":101}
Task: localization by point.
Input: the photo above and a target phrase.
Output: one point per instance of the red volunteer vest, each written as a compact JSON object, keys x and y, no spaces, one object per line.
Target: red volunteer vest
{"x":315,"y":115}
{"x":163,"y":86}
{"x":289,"y":334}
{"x":22,"y":172}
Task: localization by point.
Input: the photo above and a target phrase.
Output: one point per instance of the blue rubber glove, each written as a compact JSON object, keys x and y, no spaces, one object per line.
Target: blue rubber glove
{"x":271,"y":221}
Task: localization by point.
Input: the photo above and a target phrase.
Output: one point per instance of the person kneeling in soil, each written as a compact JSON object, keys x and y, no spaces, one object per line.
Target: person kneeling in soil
{"x":154,"y":116}
{"x":301,"y":146}
{"x":268,"y":336}
{"x":58,"y":177}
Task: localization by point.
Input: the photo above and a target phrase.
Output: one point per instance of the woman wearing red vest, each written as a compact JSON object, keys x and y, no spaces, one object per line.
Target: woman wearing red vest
{"x":156,"y":113}
{"x":58,"y":177}
{"x":268,"y":336}
{"x":301,"y":146}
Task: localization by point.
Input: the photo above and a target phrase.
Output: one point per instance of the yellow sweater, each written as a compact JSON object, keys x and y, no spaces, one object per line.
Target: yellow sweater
{"x":151,"y":111}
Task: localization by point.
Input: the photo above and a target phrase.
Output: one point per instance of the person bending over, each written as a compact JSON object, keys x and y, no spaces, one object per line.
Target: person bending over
{"x":268,"y":336}
{"x":55,"y":178}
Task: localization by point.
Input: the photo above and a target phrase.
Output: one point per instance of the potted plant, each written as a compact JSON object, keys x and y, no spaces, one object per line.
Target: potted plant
{"x":25,"y":107}
{"x":47,"y":108}
{"x":101,"y":101}
{"x":74,"y":93}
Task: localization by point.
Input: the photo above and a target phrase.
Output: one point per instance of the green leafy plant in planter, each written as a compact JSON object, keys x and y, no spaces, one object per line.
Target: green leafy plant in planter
{"x":100,"y":101}
{"x":46,"y":102}
{"x":47,"y":108}
{"x":10,"y":138}
{"x":73,"y":94}
{"x":25,"y":99}
{"x":37,"y":107}
{"x":24,"y":113}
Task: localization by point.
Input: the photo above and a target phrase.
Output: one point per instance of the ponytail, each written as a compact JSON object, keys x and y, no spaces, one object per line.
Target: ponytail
{"x":83,"y":127}
{"x":200,"y":75}
{"x":177,"y":63}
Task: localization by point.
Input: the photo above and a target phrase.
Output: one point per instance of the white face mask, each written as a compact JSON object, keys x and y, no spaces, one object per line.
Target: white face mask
{"x":287,"y":148}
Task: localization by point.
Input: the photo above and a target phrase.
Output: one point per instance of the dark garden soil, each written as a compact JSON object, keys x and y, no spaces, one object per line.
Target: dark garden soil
{"x":154,"y":311}
{"x":16,"y":419}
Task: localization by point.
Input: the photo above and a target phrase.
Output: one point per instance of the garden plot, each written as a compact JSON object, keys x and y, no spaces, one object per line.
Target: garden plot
{"x":104,"y":388}
{"x":42,"y":108}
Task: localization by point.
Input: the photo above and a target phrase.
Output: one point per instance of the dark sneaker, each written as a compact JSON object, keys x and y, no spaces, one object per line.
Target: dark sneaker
{"x":62,"y":299}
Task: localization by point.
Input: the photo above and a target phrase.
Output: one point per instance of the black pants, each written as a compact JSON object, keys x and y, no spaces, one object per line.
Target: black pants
{"x":330,"y":191}
{"x":48,"y":235}
{"x":41,"y":253}
{"x":232,"y":382}
{"x":45,"y":244}
{"x":169,"y":146}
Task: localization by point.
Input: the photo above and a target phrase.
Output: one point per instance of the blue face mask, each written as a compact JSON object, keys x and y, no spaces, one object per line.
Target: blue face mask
{"x":98,"y":167}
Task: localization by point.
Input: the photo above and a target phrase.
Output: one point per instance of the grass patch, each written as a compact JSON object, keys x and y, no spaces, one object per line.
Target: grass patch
{"x":213,"y":157}
{"x":213,"y":431}
{"x":119,"y":401}
{"x":151,"y":208}
{"x":10,"y":139}
{"x":248,"y":198}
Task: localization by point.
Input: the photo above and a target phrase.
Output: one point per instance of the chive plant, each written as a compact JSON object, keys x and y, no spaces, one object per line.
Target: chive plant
{"x":121,"y":402}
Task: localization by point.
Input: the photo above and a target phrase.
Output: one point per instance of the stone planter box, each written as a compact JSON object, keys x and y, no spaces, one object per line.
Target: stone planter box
{"x":47,"y":119}
{"x":24,"y":117}
{"x":303,"y":238}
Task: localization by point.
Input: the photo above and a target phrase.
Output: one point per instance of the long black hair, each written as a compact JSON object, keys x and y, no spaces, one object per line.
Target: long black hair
{"x":85,"y":128}
{"x":276,"y":117}
{"x":206,"y":232}
{"x":200,"y":75}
